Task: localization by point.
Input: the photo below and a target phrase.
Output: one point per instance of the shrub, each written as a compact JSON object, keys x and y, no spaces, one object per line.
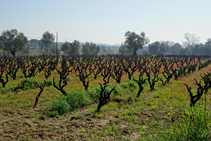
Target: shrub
{"x":29,"y":83}
{"x":116,"y":91}
{"x":76,"y":100}
{"x":124,"y":85}
{"x":194,"y":126}
{"x":129,"y":84}
{"x":49,"y":82}
{"x":94,"y":94}
{"x":73,"y":101}
{"x":132,"y":84}
{"x":60,"y":106}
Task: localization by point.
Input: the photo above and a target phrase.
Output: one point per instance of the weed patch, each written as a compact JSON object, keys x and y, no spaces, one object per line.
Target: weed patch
{"x":195,"y":125}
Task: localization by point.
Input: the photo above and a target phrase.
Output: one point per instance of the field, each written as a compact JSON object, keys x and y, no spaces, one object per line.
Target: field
{"x":161,"y":111}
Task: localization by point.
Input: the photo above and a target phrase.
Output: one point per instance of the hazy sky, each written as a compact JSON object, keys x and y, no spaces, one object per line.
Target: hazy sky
{"x":106,"y":21}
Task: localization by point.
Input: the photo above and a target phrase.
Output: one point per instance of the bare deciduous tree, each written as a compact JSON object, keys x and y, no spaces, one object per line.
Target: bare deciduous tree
{"x":190,"y":40}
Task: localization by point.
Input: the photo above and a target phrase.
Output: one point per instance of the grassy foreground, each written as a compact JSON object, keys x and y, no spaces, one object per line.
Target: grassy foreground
{"x":162,"y":114}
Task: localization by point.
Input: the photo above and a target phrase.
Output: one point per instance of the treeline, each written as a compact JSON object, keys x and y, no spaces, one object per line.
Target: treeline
{"x":13,"y":42}
{"x":164,"y":48}
{"x":191,"y":46}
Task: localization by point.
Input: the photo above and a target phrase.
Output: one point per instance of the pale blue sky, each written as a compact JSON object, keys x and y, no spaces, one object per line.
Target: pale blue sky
{"x":106,"y":21}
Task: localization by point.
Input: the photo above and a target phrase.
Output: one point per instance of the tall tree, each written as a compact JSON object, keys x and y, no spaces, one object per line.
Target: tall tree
{"x":190,"y":40}
{"x":90,"y":49}
{"x":135,"y":41}
{"x":164,"y":48}
{"x":39,"y":42}
{"x":207,"y":47}
{"x":75,"y":45}
{"x":2,"y":39}
{"x":66,"y":48}
{"x":185,"y":51}
{"x":174,"y":50}
{"x":160,"y":48}
{"x":154,"y":48}
{"x":47,"y":40}
{"x":208,"y":43}
{"x":198,"y":49}
{"x":14,"y":41}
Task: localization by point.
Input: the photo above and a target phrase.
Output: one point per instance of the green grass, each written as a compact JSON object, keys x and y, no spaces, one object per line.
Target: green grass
{"x":73,"y":101}
{"x":194,"y":125}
